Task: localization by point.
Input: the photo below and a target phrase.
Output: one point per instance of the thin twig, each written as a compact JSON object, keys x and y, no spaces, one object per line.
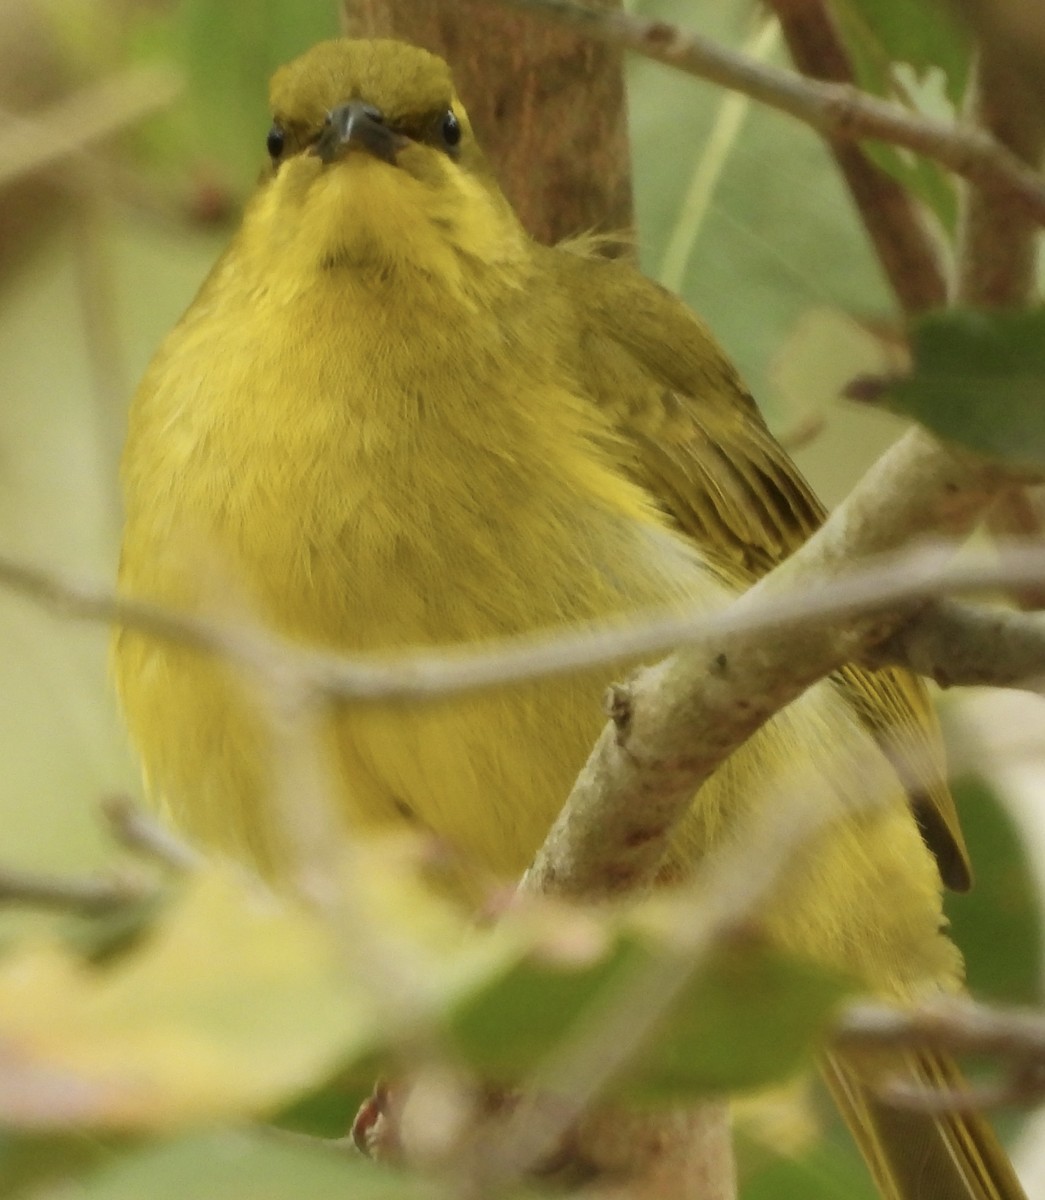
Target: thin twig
{"x":836,"y":110}
{"x":424,"y":675}
{"x":70,"y":127}
{"x":97,"y":602}
{"x":1019,"y":514}
{"x":1011,"y":1092}
{"x":92,"y":897}
{"x":954,"y":1023}
{"x":137,"y":830}
{"x":1014,"y":1038}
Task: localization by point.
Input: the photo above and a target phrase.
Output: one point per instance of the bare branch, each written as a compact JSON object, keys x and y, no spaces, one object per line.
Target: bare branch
{"x":70,"y":127}
{"x":137,"y":830}
{"x":997,"y":262}
{"x":1017,"y":1090}
{"x":677,"y":722}
{"x":1013,"y":1038}
{"x":731,"y":887}
{"x":555,"y":1114}
{"x":92,"y":897}
{"x":952,"y":1023}
{"x":963,"y":645}
{"x":835,"y":110}
{"x":1019,"y":514}
{"x":906,"y":578}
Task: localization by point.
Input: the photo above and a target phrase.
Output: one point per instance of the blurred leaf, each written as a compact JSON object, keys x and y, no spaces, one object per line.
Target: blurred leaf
{"x":979,"y":379}
{"x":233,"y":1003}
{"x":880,"y":33}
{"x":924,"y":179}
{"x":235,"y":1166}
{"x":926,"y":36}
{"x":327,"y":1111}
{"x":1002,"y":911}
{"x":748,"y":1017}
{"x":30,"y":1162}
{"x":228,"y":51}
{"x":780,"y":234}
{"x":830,"y":1170}
{"x":822,"y":353}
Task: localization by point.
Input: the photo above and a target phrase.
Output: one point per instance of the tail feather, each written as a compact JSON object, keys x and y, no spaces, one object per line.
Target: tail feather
{"x":922,"y":1156}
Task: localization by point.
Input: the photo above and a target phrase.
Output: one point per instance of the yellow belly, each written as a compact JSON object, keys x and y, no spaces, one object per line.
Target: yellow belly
{"x":382,"y":518}
{"x":488,"y":774}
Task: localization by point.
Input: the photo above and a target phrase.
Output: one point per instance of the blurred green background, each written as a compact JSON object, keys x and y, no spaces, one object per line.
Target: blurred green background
{"x":739,"y":206}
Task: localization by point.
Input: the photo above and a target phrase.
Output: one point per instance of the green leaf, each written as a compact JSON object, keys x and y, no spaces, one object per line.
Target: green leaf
{"x":923,"y":178}
{"x":827,"y":1171}
{"x":748,"y":1017}
{"x":979,"y":379}
{"x":780,"y":235}
{"x":231,"y":1166}
{"x":1002,"y":909}
{"x":925,"y":36}
{"x":228,"y":52}
{"x":326,"y":1111}
{"x":43,"y":1163}
{"x":881,"y":33}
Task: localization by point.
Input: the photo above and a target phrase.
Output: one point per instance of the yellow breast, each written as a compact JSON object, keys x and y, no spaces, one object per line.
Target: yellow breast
{"x":369,"y":461}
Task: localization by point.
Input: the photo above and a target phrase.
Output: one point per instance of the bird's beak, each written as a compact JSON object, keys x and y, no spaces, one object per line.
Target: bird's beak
{"x":357,"y":124}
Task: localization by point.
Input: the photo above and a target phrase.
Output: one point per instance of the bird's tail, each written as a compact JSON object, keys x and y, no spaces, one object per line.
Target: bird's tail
{"x":921,"y":1156}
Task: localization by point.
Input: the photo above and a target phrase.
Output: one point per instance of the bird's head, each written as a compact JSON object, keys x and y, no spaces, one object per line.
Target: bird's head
{"x":374,"y":166}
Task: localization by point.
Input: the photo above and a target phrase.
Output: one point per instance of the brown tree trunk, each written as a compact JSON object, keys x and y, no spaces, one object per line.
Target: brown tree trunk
{"x":548,"y":107}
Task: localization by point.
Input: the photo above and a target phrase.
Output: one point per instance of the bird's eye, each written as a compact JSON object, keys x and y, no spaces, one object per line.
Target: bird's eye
{"x":450,"y":128}
{"x":275,"y":141}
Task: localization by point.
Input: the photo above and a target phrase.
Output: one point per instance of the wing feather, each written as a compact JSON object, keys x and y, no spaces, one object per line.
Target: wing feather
{"x":687,"y":430}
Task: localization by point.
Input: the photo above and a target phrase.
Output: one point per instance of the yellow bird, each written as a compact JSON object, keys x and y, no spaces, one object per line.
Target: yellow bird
{"x":391,"y":419}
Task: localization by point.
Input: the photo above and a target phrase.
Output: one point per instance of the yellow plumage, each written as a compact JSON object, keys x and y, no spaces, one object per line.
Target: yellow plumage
{"x":390,"y":419}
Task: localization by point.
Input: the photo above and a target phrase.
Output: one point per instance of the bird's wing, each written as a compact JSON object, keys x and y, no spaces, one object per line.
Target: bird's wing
{"x":911,"y":1153}
{"x":687,"y":430}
